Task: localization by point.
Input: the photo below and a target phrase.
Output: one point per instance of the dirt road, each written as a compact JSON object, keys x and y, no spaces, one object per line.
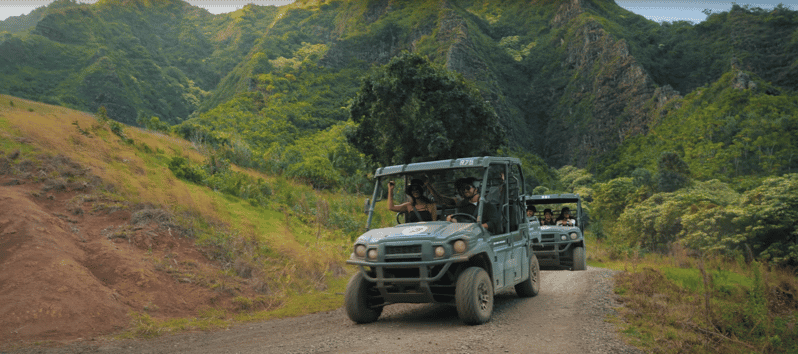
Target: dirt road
{"x":568,"y":316}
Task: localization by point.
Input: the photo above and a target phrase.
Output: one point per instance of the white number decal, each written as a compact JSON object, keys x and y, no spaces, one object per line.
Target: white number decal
{"x":466,"y":162}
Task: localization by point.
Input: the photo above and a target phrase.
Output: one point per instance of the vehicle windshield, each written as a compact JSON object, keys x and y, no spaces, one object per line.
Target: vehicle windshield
{"x":439,"y":185}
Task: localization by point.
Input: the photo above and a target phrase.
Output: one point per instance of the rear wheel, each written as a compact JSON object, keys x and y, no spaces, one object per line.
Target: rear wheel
{"x":580,"y":262}
{"x":361,"y":300}
{"x":531,"y":286}
{"x":474,"y":296}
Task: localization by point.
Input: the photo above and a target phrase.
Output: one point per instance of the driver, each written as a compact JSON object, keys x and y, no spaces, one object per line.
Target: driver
{"x":469,"y":205}
{"x":565,"y":218}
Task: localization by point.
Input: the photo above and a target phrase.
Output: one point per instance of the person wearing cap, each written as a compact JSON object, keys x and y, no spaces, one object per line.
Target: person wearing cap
{"x":530,"y":211}
{"x":548,"y":218}
{"x":565,"y":218}
{"x":418,"y":208}
{"x":491,"y":219}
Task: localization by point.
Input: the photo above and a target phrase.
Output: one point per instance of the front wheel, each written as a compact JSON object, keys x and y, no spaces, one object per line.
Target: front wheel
{"x":531,"y":286}
{"x":474,"y":296}
{"x":361,"y":300}
{"x":580,"y":261}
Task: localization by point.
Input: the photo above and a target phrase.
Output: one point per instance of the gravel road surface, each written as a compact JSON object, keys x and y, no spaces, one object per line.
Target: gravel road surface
{"x":568,"y":316}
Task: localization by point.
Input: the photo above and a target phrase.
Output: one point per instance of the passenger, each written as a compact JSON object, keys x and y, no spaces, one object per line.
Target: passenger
{"x":548,"y":218}
{"x":491,"y":219}
{"x":419,"y":208}
{"x":530,"y":211}
{"x":496,"y":193}
{"x":565,"y":218}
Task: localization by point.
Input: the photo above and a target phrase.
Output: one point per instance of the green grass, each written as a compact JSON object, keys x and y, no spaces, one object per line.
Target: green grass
{"x":692,"y":280}
{"x":668,"y":309}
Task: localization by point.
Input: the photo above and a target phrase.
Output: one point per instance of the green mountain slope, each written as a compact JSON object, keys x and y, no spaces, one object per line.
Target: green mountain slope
{"x":738,"y":126}
{"x":571,"y":81}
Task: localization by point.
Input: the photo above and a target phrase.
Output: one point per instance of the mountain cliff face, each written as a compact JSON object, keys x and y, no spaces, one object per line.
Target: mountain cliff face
{"x":610,"y":97}
{"x":570,"y":80}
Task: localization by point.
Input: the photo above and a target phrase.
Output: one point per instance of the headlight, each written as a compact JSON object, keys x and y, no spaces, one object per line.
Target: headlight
{"x":439,"y":251}
{"x":360,"y":251}
{"x":563,"y":237}
{"x":574,"y":235}
{"x":373,"y":254}
{"x":459,"y":246}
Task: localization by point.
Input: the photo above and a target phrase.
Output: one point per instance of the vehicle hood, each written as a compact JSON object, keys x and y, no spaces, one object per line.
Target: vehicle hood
{"x":419,"y":231}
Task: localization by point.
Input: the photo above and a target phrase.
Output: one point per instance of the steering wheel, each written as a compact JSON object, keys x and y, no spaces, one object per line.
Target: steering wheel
{"x":472,"y":217}
{"x":401,"y":217}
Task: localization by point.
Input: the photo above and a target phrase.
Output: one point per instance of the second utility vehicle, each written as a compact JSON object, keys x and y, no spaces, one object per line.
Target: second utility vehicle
{"x":562,"y":243}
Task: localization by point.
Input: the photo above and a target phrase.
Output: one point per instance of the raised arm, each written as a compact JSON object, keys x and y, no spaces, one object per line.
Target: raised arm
{"x":391,"y":207}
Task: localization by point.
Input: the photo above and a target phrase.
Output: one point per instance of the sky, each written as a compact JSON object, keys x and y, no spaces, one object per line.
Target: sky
{"x":666,"y":10}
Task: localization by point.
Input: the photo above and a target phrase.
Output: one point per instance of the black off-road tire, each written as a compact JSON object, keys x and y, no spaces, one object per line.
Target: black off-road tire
{"x":531,"y":286}
{"x":360,"y":300}
{"x":580,"y":260}
{"x":474,"y":296}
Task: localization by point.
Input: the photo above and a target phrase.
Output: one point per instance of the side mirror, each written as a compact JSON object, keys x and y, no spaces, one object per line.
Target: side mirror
{"x":366,"y":206}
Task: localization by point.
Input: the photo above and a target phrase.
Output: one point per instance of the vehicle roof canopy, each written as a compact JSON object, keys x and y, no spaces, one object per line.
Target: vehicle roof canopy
{"x":469,"y":162}
{"x":551,"y":199}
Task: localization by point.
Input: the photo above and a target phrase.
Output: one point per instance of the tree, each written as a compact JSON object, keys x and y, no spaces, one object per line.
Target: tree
{"x":770,"y":212}
{"x":673,"y":172}
{"x":412,"y":110}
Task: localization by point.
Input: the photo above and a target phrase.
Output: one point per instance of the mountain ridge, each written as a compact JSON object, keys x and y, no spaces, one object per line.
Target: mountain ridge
{"x":570,"y":80}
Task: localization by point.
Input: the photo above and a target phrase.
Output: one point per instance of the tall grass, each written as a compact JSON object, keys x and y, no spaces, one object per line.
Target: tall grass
{"x":684,"y":302}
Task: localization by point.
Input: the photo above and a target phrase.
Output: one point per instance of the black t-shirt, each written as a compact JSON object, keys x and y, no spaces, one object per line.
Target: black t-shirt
{"x":490,"y":215}
{"x":425,"y":216}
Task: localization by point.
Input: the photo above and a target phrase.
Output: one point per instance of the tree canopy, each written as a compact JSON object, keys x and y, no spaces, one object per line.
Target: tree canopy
{"x":413,"y":110}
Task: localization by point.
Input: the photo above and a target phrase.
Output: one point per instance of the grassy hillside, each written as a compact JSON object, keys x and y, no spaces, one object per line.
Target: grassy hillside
{"x":275,"y":252}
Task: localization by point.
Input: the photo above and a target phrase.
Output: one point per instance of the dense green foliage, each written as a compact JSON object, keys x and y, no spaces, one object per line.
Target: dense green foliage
{"x":531,"y":63}
{"x":412,"y":111}
{"x":723,"y":131}
{"x":708,"y":216}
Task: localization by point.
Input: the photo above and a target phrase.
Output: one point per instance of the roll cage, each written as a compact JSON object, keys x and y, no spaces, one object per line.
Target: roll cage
{"x":499,"y":180}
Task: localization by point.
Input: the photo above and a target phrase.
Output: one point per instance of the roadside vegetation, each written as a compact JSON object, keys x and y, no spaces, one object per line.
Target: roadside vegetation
{"x":704,"y":268}
{"x":279,"y":238}
{"x":681,"y":301}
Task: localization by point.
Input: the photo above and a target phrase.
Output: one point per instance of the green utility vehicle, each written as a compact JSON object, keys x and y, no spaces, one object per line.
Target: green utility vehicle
{"x":458,"y":263}
{"x":562,"y":243}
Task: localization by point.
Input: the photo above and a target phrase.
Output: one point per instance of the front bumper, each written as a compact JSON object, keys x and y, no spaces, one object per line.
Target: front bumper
{"x":411,"y":282}
{"x":555,"y":254}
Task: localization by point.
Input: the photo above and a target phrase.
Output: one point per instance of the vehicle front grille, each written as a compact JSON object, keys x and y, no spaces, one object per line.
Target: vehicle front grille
{"x":548,"y":237}
{"x":411,"y":249}
{"x":406,"y":253}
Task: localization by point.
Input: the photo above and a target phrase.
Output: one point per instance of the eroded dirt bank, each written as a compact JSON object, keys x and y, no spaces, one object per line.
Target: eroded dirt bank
{"x":74,"y":264}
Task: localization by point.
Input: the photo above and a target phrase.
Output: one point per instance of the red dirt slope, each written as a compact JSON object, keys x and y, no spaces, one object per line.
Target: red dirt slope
{"x":72,"y":266}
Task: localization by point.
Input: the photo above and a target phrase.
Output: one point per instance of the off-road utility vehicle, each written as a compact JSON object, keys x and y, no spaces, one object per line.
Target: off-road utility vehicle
{"x":458,"y":263}
{"x":562,"y":246}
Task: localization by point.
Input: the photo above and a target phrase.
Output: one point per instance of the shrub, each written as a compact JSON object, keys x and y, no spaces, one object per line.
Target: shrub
{"x":315,"y":170}
{"x":181,"y":168}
